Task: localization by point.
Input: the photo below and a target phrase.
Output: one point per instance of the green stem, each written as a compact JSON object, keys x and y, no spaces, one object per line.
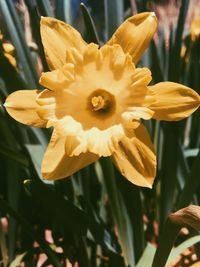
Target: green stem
{"x":191,"y":185}
{"x":167,"y":239}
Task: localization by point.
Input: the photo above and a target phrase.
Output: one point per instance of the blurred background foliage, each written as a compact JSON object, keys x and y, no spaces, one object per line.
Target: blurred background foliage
{"x":97,"y":218}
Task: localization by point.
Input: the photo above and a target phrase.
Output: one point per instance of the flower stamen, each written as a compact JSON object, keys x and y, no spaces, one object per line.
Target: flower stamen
{"x":98,"y":102}
{"x":101,"y":102}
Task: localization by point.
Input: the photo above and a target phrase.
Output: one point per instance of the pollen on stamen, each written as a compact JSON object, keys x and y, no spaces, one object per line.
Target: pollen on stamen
{"x":101,"y":103}
{"x":98,"y":103}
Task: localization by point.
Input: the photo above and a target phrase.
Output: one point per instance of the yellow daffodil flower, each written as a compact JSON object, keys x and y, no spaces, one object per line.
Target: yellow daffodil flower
{"x":95,"y":98}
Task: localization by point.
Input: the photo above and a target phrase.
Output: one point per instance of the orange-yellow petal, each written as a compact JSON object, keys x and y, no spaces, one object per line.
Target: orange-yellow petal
{"x":135,"y":158}
{"x":57,"y":38}
{"x":135,"y":34}
{"x":21,"y":105}
{"x":173,"y":101}
{"x":57,"y":165}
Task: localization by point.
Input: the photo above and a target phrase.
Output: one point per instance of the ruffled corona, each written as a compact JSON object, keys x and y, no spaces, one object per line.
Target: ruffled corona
{"x":94,"y":109}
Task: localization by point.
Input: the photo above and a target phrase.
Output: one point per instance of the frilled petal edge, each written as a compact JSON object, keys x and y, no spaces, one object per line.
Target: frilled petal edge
{"x":135,"y":158}
{"x":57,"y":165}
{"x":22,"y":106}
{"x":174,"y":101}
{"x":135,"y":34}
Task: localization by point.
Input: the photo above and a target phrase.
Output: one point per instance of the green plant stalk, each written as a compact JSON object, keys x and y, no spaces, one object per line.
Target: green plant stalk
{"x":169,"y":170}
{"x":191,"y":185}
{"x":63,"y":10}
{"x":13,"y":155}
{"x":92,"y":35}
{"x":133,"y":200}
{"x":168,"y":236}
{"x":139,"y":237}
{"x":114,"y":15}
{"x":174,"y":66}
{"x":83,"y":259}
{"x":118,"y":210}
{"x":15,"y":28}
{"x":147,"y":256}
{"x":45,"y":8}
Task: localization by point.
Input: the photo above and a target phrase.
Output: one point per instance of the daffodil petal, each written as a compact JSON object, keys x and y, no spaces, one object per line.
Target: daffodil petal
{"x":57,"y":165}
{"x":135,"y":158}
{"x":22,"y":106}
{"x":173,"y":101}
{"x":135,"y":34}
{"x":57,"y":38}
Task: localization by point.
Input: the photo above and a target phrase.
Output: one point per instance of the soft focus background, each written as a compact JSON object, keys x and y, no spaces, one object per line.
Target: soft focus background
{"x":91,"y":219}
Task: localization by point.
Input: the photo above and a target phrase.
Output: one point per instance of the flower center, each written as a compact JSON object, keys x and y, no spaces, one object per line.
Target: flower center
{"x":101,"y":102}
{"x":98,"y":102}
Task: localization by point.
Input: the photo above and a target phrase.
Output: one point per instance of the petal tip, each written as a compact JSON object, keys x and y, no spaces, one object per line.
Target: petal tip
{"x":153,"y":17}
{"x":149,"y":186}
{"x":43,"y":19}
{"x":6,"y":104}
{"x":153,"y":14}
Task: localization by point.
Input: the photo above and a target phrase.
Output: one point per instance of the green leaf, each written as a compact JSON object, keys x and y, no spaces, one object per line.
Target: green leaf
{"x":156,"y":64}
{"x":14,"y":155}
{"x":17,"y":36}
{"x":114,"y":16}
{"x":133,"y":199}
{"x":174,"y":64}
{"x":16,"y":262}
{"x":191,"y":152}
{"x":63,"y":10}
{"x":36,"y":153}
{"x":91,"y":32}
{"x":42,"y":136}
{"x":147,"y":256}
{"x":191,"y":185}
{"x":169,"y":169}
{"x":119,"y":212}
{"x":57,"y":208}
{"x":45,"y":8}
